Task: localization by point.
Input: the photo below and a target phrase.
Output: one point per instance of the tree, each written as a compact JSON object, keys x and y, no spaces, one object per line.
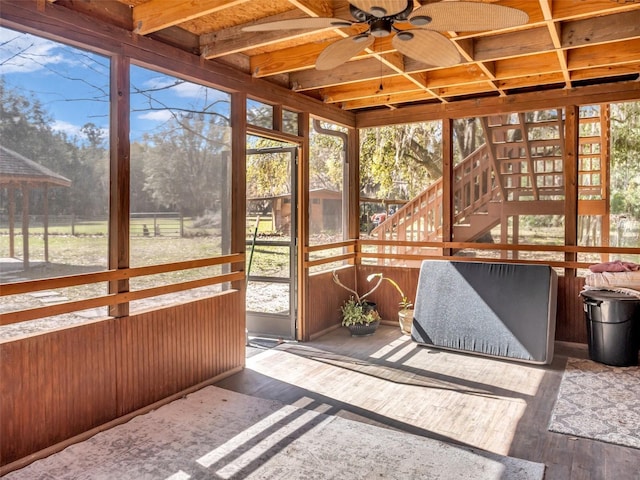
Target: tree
{"x":400,"y":161}
{"x":184,"y":162}
{"x":25,"y":127}
{"x":625,"y":152}
{"x":326,"y":162}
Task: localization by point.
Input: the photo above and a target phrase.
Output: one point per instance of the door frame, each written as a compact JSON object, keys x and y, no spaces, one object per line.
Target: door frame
{"x":271,"y":324}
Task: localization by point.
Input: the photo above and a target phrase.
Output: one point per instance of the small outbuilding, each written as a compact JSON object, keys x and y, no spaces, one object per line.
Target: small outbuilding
{"x":20,"y":173}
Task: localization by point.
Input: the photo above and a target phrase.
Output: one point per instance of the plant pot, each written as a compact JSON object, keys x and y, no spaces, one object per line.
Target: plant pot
{"x":363,"y":329}
{"x":406,"y":320}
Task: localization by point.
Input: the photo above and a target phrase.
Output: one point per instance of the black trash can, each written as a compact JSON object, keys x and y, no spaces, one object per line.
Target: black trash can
{"x":613,"y":327}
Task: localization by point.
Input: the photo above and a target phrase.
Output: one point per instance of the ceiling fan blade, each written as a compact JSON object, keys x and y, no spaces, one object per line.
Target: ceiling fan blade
{"x":427,"y":47}
{"x":298,"y":23}
{"x":341,"y":51}
{"x":380,"y":8}
{"x":467,"y":16}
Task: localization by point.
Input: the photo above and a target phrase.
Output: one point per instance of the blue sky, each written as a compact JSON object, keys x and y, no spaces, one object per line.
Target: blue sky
{"x":73,"y":86}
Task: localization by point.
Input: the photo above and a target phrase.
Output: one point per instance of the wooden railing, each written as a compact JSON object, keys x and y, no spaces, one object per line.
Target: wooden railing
{"x":114,"y":275}
{"x":514,"y":165}
{"x":420,"y":219}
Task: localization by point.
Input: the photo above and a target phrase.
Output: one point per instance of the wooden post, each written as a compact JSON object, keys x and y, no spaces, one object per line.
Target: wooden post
{"x":571,"y":150}
{"x":504,"y":231}
{"x":239,"y":182}
{"x":605,"y":159}
{"x":303,"y":229}
{"x":119,"y":195}
{"x":516,"y":235}
{"x":25,"y":226}
{"x":45,"y":221}
{"x":447,"y":184}
{"x":353,"y":184}
{"x":12,"y":220}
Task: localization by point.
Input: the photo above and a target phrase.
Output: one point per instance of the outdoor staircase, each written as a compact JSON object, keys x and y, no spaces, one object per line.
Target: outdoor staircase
{"x":518,"y":171}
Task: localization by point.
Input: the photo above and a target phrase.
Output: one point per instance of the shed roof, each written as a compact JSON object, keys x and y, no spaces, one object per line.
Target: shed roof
{"x":16,"y":168}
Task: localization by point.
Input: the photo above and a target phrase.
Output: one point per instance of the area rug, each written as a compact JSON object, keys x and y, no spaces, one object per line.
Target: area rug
{"x":216,"y":433}
{"x":599,"y":402}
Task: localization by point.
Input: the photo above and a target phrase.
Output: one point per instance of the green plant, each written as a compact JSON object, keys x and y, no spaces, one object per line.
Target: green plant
{"x":354,"y":312}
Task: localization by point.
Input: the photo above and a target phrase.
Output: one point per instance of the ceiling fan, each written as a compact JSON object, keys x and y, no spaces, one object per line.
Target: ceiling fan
{"x":415,"y":30}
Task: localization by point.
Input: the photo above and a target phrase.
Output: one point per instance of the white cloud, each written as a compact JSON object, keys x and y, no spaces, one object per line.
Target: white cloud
{"x":158,"y":115}
{"x":190,"y":90}
{"x":72,"y":130}
{"x":183,"y":89}
{"x":24,"y":53}
{"x":69,"y":128}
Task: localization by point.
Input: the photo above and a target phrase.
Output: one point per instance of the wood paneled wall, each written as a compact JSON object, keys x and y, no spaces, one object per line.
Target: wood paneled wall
{"x":63,"y":383}
{"x":324,"y":309}
{"x":325,"y":299}
{"x":570,"y":322}
{"x":386,"y":296}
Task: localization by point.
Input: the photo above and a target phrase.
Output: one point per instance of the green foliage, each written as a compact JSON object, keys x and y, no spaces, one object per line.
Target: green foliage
{"x":625,"y":155}
{"x":400,"y":161}
{"x":268,"y":174}
{"x":354,"y":312}
{"x":184,"y":163}
{"x":25,"y":127}
{"x":326,"y":162}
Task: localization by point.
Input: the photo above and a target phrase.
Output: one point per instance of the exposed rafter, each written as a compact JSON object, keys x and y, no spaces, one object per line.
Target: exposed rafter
{"x":564,"y":43}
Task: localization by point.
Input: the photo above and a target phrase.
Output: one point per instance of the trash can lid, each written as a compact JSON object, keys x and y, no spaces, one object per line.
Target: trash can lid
{"x":609,"y":295}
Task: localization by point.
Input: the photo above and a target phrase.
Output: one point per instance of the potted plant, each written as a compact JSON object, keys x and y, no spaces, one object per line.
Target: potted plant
{"x":361,"y":318}
{"x":405,"y":314}
{"x":359,"y":315}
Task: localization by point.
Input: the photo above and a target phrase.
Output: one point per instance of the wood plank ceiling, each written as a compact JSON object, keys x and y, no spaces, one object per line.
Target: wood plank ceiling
{"x":565,"y":44}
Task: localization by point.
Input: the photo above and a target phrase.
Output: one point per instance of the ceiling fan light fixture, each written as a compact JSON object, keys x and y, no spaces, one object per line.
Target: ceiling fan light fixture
{"x":340,"y":24}
{"x":378,"y":11}
{"x":420,"y":20}
{"x":404,"y":36}
{"x":380,"y":27}
{"x":360,"y":38}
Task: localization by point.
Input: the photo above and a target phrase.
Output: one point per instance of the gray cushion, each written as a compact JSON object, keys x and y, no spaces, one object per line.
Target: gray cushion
{"x":497,"y":309}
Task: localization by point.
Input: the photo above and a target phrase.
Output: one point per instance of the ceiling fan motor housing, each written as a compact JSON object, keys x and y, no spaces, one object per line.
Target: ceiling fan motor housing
{"x":380,"y":27}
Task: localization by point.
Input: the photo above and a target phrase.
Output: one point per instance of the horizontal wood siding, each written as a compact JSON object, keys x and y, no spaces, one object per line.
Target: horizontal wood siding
{"x":386,"y":296}
{"x":570,"y":324}
{"x":62,"y":383}
{"x":325,"y":299}
{"x":163,"y":352}
{"x":55,"y":386}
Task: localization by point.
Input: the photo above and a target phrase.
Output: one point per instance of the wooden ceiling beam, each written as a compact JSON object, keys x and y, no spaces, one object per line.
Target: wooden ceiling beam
{"x":527,"y":65}
{"x":302,"y":57}
{"x":555,"y":34}
{"x":286,"y":60}
{"x":468,"y":89}
{"x":593,"y":31}
{"x":155,"y":15}
{"x":466,"y":48}
{"x":626,"y":51}
{"x":512,"y":44}
{"x":313,"y":8}
{"x":351,"y":72}
{"x":372,"y":88}
{"x":389,"y":100}
{"x":235,"y":40}
{"x":532,"y":81}
{"x":457,"y":75}
{"x":571,"y":9}
{"x":605,"y":72}
{"x":614,"y":92}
